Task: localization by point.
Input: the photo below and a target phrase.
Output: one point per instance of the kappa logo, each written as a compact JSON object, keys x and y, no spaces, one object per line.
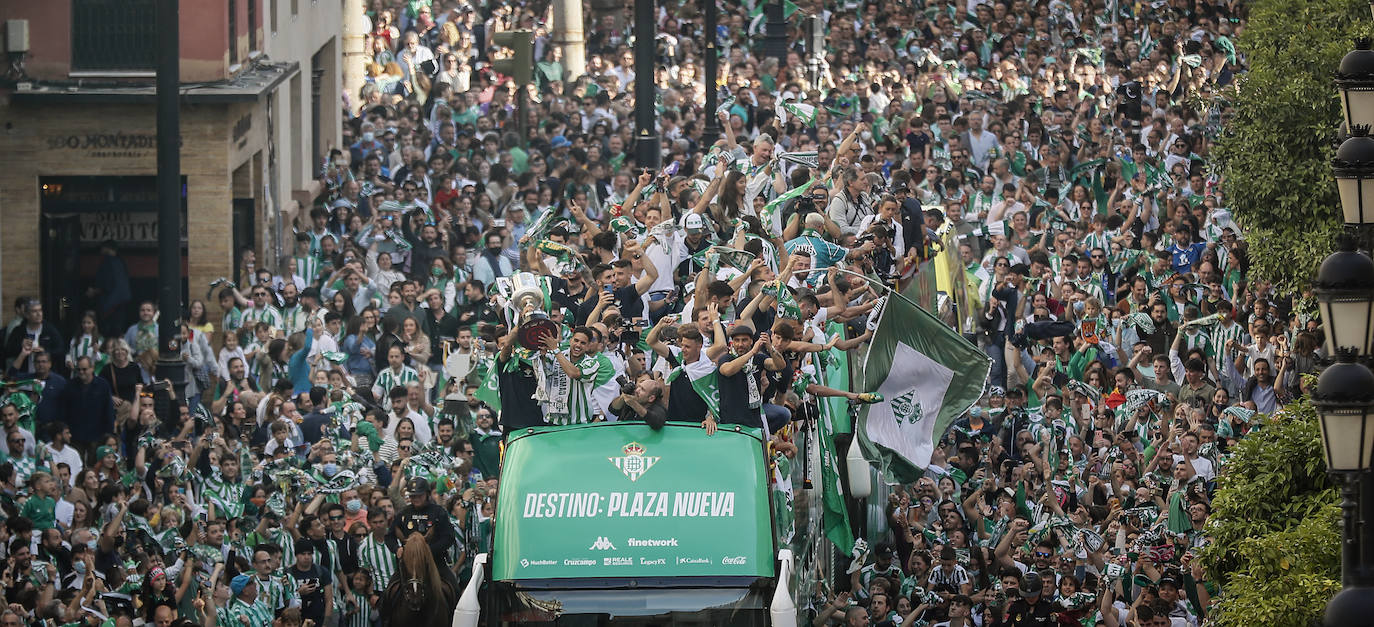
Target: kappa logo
{"x":906,"y":408}
{"x":602,"y":544}
{"x":634,"y":464}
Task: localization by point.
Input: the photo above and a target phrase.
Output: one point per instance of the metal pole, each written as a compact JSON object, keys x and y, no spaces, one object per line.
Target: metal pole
{"x":775,"y":32}
{"x":568,"y":34}
{"x":169,"y":363}
{"x":522,"y":99}
{"x":711,"y":132}
{"x":1350,"y":518}
{"x":646,"y":109}
{"x":1365,"y":537}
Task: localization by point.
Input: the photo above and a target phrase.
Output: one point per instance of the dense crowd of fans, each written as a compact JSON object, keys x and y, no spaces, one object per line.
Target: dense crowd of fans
{"x":1039,"y":170}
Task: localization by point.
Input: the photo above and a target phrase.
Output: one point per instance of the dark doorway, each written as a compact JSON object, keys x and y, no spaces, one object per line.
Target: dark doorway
{"x":245,"y":224}
{"x":79,"y":213}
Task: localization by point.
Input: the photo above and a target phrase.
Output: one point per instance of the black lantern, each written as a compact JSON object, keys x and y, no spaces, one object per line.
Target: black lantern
{"x":1354,"y":170}
{"x":1355,"y":79}
{"x":1345,"y":402}
{"x":1345,"y":295}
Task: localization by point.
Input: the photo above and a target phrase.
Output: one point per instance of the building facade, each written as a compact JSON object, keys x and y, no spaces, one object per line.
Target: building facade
{"x":259,"y":109}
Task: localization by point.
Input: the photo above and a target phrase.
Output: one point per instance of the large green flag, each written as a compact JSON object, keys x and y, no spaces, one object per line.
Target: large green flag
{"x":834,"y":419}
{"x":702,"y":375}
{"x":928,"y":376}
{"x":490,"y":390}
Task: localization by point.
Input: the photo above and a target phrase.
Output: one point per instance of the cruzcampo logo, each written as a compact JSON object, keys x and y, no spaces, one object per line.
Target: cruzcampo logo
{"x":634,"y":464}
{"x":906,"y":408}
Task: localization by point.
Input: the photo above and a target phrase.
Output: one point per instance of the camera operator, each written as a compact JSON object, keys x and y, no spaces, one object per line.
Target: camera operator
{"x":882,"y":260}
{"x":642,"y":401}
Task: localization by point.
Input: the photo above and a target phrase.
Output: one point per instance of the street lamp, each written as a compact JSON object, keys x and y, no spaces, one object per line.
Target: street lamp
{"x":1344,"y":400}
{"x":1345,"y":296}
{"x":1355,"y":79}
{"x":1345,"y":403}
{"x":1354,"y":170}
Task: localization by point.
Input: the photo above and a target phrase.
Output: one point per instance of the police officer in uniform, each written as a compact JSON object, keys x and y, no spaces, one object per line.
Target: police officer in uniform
{"x":426,"y":518}
{"x":1032,"y":609}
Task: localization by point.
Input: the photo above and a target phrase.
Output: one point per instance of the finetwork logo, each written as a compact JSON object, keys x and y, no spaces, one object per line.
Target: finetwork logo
{"x":661,"y":542}
{"x":634,"y":464}
{"x":602,"y":544}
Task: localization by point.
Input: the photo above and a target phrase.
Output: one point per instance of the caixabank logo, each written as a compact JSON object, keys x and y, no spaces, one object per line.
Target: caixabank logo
{"x":634,"y":463}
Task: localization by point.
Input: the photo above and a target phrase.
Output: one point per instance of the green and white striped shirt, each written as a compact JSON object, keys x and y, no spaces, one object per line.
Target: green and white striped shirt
{"x":360,"y":616}
{"x":1220,"y":335}
{"x":581,"y":408}
{"x":233,"y":320}
{"x":257,"y":612}
{"x":387,"y":379}
{"x":227,"y":496}
{"x":308,"y":267}
{"x":274,"y":591}
{"x":84,"y":346}
{"x":269,"y":314}
{"x":294,"y":319}
{"x":379,"y":560}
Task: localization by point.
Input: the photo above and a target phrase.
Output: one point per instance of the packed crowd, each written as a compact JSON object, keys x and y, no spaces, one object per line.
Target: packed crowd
{"x":1040,"y":169}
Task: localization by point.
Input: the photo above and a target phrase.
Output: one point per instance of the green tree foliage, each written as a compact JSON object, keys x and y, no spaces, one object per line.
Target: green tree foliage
{"x":1277,"y":149}
{"x":1276,"y":527}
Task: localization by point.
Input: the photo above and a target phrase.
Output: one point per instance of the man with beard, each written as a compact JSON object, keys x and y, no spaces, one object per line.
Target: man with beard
{"x":1259,"y":388}
{"x":516,"y":385}
{"x":295,"y":316}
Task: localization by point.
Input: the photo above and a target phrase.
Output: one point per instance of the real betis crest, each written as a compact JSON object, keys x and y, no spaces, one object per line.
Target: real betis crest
{"x":907,"y":408}
{"x":634,"y":464}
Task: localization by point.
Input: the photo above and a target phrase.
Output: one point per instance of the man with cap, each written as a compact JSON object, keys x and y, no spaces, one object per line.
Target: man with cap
{"x":314,"y":586}
{"x":426,"y":518}
{"x":695,"y":240}
{"x":1031,"y":609}
{"x":243,"y":607}
{"x":741,"y":397}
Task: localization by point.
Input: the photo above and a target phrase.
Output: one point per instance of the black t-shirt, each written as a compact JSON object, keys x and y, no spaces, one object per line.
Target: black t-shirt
{"x":629,"y":302}
{"x":776,"y":381}
{"x":683,"y":401}
{"x":518,"y":407}
{"x":312,"y":605}
{"x":740,"y":397}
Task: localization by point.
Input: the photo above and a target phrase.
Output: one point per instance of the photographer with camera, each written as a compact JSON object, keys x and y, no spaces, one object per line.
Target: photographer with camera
{"x":641,"y":401}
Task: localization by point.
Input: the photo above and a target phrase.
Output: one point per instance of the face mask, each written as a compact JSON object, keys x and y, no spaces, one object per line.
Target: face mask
{"x":258,"y":501}
{"x":90,"y":544}
{"x":367,"y":137}
{"x":437,"y":271}
{"x":1078,"y":306}
{"x":79,"y":567}
{"x":353,"y":505}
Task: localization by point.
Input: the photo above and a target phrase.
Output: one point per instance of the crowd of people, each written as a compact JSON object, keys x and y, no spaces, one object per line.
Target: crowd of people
{"x":1040,"y":170}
